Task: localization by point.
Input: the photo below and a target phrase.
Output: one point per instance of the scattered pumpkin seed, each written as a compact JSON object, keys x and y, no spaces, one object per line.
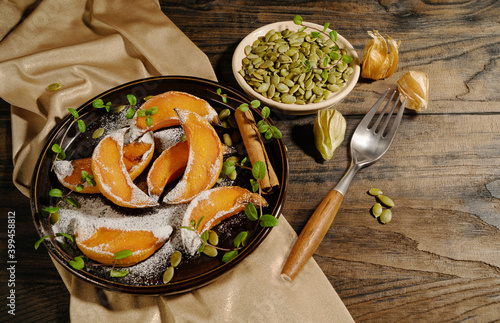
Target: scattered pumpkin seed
{"x":375,"y":192}
{"x":377,"y":210}
{"x":54,"y":218}
{"x":175,"y":258}
{"x":385,"y":200}
{"x":97,"y":133}
{"x":117,"y":109}
{"x":213,"y":238}
{"x":149,"y":97}
{"x":224,"y":114}
{"x":210,"y":251}
{"x":233,"y":175}
{"x":54,"y":87}
{"x":168,"y":275}
{"x":385,"y":216}
{"x":227,"y":139}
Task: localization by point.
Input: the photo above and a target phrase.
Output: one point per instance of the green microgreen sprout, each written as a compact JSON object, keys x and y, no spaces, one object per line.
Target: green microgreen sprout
{"x":334,"y":56}
{"x":117,"y":256}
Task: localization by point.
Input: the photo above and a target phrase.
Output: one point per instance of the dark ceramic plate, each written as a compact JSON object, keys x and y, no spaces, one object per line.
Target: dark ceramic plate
{"x":193,"y":272}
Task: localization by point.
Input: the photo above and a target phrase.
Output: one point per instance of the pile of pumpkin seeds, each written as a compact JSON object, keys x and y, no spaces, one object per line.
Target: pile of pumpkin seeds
{"x":295,"y":66}
{"x":381,"y":209}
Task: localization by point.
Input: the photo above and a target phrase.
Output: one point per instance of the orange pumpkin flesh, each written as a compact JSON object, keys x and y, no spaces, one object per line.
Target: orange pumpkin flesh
{"x":169,"y":166}
{"x":104,"y":243}
{"x":166,"y":116}
{"x":204,"y":162}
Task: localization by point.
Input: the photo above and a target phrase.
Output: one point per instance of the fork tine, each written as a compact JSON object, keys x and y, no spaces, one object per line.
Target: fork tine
{"x":369,"y":116}
{"x":381,"y":115}
{"x":397,"y":120}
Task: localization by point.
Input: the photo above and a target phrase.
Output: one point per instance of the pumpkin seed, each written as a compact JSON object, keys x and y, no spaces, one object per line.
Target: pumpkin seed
{"x":175,"y":258}
{"x":210,"y":251}
{"x":375,"y":192}
{"x":385,"y":200}
{"x":168,"y":275}
{"x":54,"y":218}
{"x":385,"y":216}
{"x":213,"y":238}
{"x":97,"y":133}
{"x":271,"y":91}
{"x":377,"y":210}
{"x":288,"y":98}
{"x":263,"y":87}
{"x":225,"y":113}
{"x":227,"y":139}
{"x":54,"y":87}
{"x":233,"y":159}
{"x":117,"y":109}
{"x":233,"y":175}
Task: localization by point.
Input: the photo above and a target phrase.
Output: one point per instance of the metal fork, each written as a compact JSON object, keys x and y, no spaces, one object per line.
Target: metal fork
{"x":368,"y":144}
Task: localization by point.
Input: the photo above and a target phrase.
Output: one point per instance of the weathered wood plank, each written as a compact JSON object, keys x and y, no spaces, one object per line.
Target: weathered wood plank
{"x":438,"y":259}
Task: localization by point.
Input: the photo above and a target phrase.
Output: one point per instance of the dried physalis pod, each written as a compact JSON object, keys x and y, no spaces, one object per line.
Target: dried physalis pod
{"x":414,"y":86}
{"x":329,"y":131}
{"x":380,"y":58}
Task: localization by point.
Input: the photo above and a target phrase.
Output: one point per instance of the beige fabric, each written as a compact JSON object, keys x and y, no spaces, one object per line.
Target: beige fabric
{"x":92,"y":46}
{"x":252,"y":292}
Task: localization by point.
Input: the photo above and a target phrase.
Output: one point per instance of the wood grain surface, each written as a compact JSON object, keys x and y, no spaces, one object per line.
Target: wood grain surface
{"x":438,"y":260}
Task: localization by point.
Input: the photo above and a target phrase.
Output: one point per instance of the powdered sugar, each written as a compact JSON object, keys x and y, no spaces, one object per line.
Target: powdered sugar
{"x":166,"y":138}
{"x":63,"y":168}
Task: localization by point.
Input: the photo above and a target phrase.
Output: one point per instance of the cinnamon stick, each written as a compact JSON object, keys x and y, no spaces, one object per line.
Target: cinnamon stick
{"x":255,"y":147}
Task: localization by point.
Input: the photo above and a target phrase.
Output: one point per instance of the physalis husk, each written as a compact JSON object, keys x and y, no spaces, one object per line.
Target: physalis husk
{"x":329,"y":130}
{"x":379,"y":60}
{"x":414,"y":86}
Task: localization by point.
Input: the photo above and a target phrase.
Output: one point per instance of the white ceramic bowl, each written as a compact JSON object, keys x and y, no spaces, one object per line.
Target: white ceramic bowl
{"x":295,"y":109}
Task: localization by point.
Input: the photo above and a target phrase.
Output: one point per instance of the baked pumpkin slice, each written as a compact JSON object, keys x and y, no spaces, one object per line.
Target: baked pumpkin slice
{"x":205,"y":159}
{"x":102,"y":245}
{"x":111,"y":176}
{"x":211,"y":207}
{"x":165,"y":115}
{"x":167,"y":167}
{"x":136,"y":156}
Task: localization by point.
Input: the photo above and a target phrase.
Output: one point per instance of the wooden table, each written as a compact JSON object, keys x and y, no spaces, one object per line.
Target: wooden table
{"x":439,"y":258}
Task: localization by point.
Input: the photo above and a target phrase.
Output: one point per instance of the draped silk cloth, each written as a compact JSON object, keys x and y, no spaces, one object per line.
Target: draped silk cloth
{"x":90,"y":46}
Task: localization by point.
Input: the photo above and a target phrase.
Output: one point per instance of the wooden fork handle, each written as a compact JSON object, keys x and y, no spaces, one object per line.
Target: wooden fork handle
{"x":312,"y":235}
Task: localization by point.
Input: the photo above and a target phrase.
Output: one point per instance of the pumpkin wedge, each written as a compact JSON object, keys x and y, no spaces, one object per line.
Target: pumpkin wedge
{"x":111,"y":176}
{"x":105,"y":242}
{"x":69,"y":174}
{"x":166,"y":116}
{"x":205,"y":158}
{"x":169,"y":166}
{"x":136,"y":157}
{"x":213,"y":206}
